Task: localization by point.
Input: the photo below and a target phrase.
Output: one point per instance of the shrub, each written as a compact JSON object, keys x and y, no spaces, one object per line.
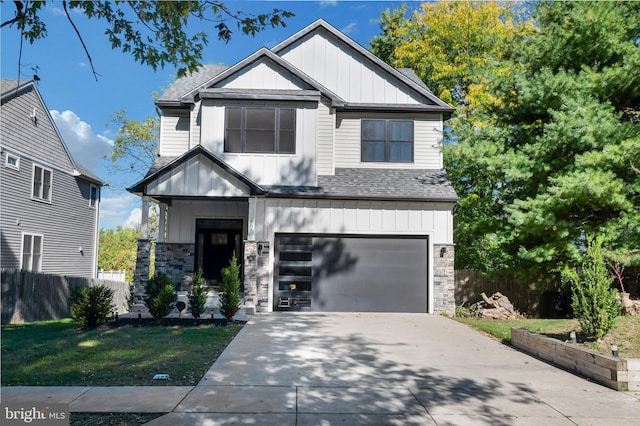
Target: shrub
{"x":197,"y":295}
{"x":230,"y":289}
{"x":161,"y":294}
{"x":592,"y":298}
{"x":92,"y":306}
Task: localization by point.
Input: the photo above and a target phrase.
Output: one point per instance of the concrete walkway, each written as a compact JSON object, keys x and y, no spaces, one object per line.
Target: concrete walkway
{"x":353,"y":369}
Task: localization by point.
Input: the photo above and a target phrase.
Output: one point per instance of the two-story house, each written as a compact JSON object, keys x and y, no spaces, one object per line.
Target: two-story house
{"x":320,"y":166}
{"x":49,"y":204}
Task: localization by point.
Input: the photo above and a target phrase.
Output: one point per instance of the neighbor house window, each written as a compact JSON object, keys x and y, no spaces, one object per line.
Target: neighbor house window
{"x":12,"y":161}
{"x":260,"y":130}
{"x":41,"y":183}
{"x":93,"y":195}
{"x":387,"y":141}
{"x":31,"y":252}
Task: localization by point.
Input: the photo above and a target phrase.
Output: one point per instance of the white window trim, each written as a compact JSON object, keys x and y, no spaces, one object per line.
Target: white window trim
{"x":8,"y":164}
{"x":33,"y":176}
{"x":39,"y":266}
{"x":93,"y":203}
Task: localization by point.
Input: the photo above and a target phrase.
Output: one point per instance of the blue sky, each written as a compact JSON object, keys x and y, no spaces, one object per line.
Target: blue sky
{"x":81,"y":106}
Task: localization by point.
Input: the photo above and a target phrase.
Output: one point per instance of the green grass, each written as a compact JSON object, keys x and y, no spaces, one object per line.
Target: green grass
{"x":625,"y":333}
{"x":62,"y":353}
{"x":111,"y":419}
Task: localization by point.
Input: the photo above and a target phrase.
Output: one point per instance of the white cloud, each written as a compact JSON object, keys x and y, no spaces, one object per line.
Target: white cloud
{"x":326,"y":3}
{"x":122,"y":209}
{"x":349,"y":28}
{"x":86,"y":147}
{"x":134,"y":219}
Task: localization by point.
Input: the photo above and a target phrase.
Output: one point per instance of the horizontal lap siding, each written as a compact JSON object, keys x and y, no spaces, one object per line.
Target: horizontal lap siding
{"x":175,"y":134}
{"x":68,"y":222}
{"x":427,"y":142}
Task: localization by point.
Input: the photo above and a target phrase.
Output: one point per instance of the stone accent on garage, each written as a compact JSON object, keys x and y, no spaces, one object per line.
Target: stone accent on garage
{"x":176,"y":260}
{"x":443,"y":279}
{"x":256,"y":274}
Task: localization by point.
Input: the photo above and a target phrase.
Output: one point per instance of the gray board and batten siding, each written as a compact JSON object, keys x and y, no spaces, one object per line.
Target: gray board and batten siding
{"x":68,"y":221}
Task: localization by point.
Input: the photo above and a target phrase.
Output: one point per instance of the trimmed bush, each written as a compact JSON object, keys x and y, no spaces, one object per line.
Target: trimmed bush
{"x":197,"y":295}
{"x":92,"y":306}
{"x":161,"y":295}
{"x":592,"y":298}
{"x":230,"y":289}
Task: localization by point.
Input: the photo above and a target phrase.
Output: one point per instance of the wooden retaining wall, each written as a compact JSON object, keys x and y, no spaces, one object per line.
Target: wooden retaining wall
{"x":616,"y":373}
{"x":31,"y":296}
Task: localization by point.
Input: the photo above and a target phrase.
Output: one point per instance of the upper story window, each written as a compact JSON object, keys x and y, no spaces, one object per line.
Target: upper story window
{"x":41,"y":183}
{"x":12,"y":161}
{"x":260,"y":130}
{"x":31,"y":252}
{"x":387,"y":141}
{"x":93,"y":195}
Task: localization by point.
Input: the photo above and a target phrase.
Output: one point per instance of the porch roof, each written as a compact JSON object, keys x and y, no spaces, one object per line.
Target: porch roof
{"x":378,"y":184}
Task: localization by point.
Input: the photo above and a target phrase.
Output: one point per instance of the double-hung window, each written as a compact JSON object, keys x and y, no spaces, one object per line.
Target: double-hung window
{"x":41,"y":183}
{"x":260,"y":130}
{"x":31,"y":252}
{"x":387,"y":141}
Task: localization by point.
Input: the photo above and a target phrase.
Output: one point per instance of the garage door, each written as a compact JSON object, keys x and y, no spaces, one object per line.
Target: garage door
{"x":350,"y":274}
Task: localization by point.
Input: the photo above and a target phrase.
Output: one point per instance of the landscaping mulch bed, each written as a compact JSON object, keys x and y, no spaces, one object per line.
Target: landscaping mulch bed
{"x":169,"y":322}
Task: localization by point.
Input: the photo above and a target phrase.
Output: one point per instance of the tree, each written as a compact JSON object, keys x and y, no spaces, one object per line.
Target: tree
{"x":117,"y":250}
{"x":571,"y":133}
{"x":136,"y":145}
{"x":230,"y":289}
{"x":155,"y":33}
{"x":458,"y":48}
{"x":593,"y":300}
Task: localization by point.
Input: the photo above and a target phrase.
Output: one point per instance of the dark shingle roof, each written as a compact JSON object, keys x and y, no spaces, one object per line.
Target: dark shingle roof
{"x":419,"y":185}
{"x":187,"y":83}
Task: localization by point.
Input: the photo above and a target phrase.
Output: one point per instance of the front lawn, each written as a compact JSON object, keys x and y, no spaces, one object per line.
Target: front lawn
{"x":63,"y":353}
{"x":625,"y":333}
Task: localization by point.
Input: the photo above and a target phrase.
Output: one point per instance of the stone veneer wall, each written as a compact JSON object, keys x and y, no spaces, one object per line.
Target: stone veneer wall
{"x":256,"y":274}
{"x":176,"y":260}
{"x":443,"y":280}
{"x":141,"y":274}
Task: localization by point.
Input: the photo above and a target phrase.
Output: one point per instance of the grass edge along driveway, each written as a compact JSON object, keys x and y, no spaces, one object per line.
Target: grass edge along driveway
{"x":63,"y":353}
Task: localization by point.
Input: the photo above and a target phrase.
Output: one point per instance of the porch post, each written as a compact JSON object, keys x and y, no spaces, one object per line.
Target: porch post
{"x":144,"y":223}
{"x":143,"y":255}
{"x":251,"y":228}
{"x":161,"y":221}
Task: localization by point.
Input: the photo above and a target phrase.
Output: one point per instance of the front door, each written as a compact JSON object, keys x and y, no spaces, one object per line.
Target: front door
{"x":216,"y":242}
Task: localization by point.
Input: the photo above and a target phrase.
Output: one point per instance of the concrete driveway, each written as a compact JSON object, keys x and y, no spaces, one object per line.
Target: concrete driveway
{"x":388,"y":369}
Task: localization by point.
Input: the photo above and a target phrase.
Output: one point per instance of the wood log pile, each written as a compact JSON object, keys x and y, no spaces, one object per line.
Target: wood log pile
{"x":629,"y":306}
{"x":497,"y":306}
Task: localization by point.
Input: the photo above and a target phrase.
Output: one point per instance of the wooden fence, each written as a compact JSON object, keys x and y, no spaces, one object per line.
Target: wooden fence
{"x":527,"y":296}
{"x":30,"y":296}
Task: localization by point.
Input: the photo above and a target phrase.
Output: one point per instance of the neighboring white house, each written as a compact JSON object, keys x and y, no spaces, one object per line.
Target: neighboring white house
{"x":320,"y":166}
{"x":49,"y":204}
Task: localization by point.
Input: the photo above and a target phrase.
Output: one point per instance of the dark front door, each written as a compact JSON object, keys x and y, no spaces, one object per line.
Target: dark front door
{"x":216,"y":242}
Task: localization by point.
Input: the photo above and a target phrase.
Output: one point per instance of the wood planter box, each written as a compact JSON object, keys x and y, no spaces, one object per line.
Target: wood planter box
{"x":616,"y":373}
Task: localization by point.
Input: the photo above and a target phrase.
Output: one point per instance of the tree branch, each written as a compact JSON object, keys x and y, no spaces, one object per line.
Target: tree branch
{"x":19,"y":14}
{"x":93,"y":70}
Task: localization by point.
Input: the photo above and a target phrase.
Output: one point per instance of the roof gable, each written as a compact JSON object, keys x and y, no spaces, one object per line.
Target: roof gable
{"x":351,"y":71}
{"x":260,"y":62}
{"x":197,"y":173}
{"x":26,"y":120}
